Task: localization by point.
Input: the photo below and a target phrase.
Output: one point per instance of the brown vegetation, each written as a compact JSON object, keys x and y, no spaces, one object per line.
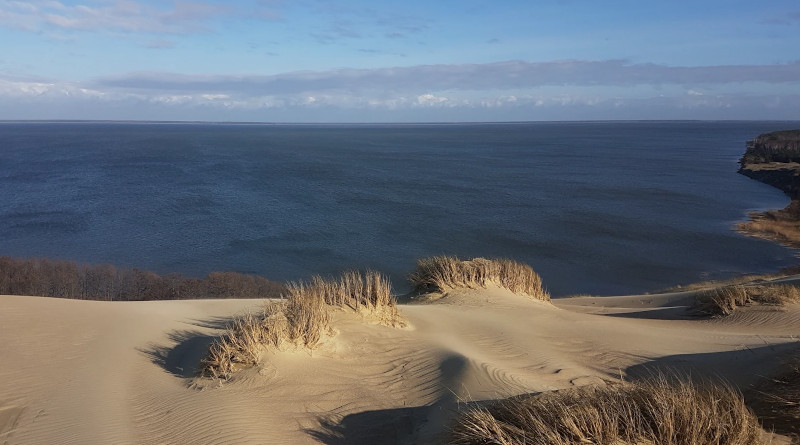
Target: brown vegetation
{"x":297,"y":321}
{"x":776,"y":400}
{"x":442,"y":273}
{"x":725,"y":300}
{"x":301,"y":319}
{"x":657,"y":411}
{"x":742,"y":279}
{"x":68,"y":279}
{"x":781,"y":226}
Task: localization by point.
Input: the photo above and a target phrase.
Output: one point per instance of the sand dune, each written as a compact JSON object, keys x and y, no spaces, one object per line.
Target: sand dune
{"x":77,"y":372}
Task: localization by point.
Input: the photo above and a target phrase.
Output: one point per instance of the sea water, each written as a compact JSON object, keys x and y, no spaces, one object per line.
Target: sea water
{"x":594,"y":207}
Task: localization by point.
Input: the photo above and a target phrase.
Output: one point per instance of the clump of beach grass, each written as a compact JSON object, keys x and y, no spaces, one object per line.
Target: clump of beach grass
{"x":442,"y":273}
{"x":777,"y":400}
{"x":725,"y":300}
{"x":658,"y":411}
{"x":300,"y":319}
{"x":369,"y":293}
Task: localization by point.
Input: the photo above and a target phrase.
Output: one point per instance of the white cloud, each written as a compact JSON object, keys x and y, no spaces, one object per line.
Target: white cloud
{"x":431,"y":100}
{"x":113,"y":15}
{"x":426,"y":79}
{"x":495,"y":91}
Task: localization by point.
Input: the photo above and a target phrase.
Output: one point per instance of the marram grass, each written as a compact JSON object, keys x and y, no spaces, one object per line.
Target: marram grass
{"x":658,"y":411}
{"x":442,"y":273}
{"x":725,"y":300}
{"x":301,"y":319}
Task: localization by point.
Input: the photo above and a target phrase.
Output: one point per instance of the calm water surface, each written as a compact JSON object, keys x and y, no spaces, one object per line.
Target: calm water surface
{"x":602,"y":208}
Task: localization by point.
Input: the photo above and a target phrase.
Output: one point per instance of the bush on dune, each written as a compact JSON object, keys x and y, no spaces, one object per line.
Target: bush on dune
{"x":301,"y":319}
{"x":668,"y":411}
{"x":442,"y":273}
{"x":725,"y":300}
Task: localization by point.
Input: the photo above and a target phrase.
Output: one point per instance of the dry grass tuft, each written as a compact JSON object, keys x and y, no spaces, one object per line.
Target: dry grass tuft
{"x":725,"y":300}
{"x":301,"y":319}
{"x":785,"y":232}
{"x":368,"y":293}
{"x":441,"y":273}
{"x":777,"y":401}
{"x":659,"y":411}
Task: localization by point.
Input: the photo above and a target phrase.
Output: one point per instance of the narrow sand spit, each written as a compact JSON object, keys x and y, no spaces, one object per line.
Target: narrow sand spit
{"x":78,"y":372}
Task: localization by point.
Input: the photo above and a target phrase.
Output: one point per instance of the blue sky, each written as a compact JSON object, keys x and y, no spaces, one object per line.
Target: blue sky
{"x":367,"y":61}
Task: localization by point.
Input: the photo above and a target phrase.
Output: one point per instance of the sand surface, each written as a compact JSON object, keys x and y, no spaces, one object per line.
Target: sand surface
{"x":82,"y":372}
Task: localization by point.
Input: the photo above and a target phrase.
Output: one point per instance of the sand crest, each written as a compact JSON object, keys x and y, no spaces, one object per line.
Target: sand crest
{"x":76,"y":372}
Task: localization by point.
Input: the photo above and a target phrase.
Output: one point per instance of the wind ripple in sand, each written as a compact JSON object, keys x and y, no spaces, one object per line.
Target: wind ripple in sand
{"x":88,"y":372}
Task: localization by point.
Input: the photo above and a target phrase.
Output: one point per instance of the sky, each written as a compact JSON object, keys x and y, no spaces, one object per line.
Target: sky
{"x":410,"y":61}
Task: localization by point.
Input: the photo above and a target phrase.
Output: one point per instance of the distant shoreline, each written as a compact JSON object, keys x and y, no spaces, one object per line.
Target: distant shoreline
{"x":772,"y":158}
{"x":355,"y":123}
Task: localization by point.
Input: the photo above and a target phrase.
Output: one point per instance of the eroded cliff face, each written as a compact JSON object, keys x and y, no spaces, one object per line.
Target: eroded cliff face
{"x":786,"y":178}
{"x":774,"y":159}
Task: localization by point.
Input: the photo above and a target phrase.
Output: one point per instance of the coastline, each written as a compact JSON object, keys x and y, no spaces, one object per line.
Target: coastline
{"x":771,"y":158}
{"x":111,"y":372}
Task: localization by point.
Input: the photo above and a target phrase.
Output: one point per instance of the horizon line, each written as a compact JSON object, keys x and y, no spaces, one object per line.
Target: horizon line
{"x":196,"y":122}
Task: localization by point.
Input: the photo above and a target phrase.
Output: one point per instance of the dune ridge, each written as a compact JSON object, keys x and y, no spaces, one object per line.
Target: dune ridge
{"x":102,"y":372}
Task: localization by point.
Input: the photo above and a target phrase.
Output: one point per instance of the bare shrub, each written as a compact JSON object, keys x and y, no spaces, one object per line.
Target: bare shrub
{"x":658,"y":411}
{"x":301,"y":319}
{"x":725,"y":300}
{"x":68,"y":279}
{"x":441,"y":273}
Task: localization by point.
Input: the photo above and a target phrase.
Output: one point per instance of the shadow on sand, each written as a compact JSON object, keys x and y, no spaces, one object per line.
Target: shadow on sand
{"x":388,"y":426}
{"x":182,"y":359}
{"x":741,"y":367}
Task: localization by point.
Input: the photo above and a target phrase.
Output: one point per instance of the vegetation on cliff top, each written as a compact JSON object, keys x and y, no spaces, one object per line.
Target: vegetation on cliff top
{"x":778,"y":146}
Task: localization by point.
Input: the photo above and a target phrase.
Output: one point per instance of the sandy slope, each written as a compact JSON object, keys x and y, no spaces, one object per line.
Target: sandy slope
{"x":92,"y":372}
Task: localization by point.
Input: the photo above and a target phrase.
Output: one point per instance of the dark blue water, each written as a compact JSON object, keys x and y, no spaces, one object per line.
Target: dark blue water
{"x":602,"y":208}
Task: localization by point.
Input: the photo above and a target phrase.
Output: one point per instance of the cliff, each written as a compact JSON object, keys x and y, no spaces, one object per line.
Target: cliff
{"x":774,"y":159}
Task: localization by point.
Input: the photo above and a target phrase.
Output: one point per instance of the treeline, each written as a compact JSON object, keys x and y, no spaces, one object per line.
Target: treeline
{"x":68,"y":279}
{"x":778,"y":146}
